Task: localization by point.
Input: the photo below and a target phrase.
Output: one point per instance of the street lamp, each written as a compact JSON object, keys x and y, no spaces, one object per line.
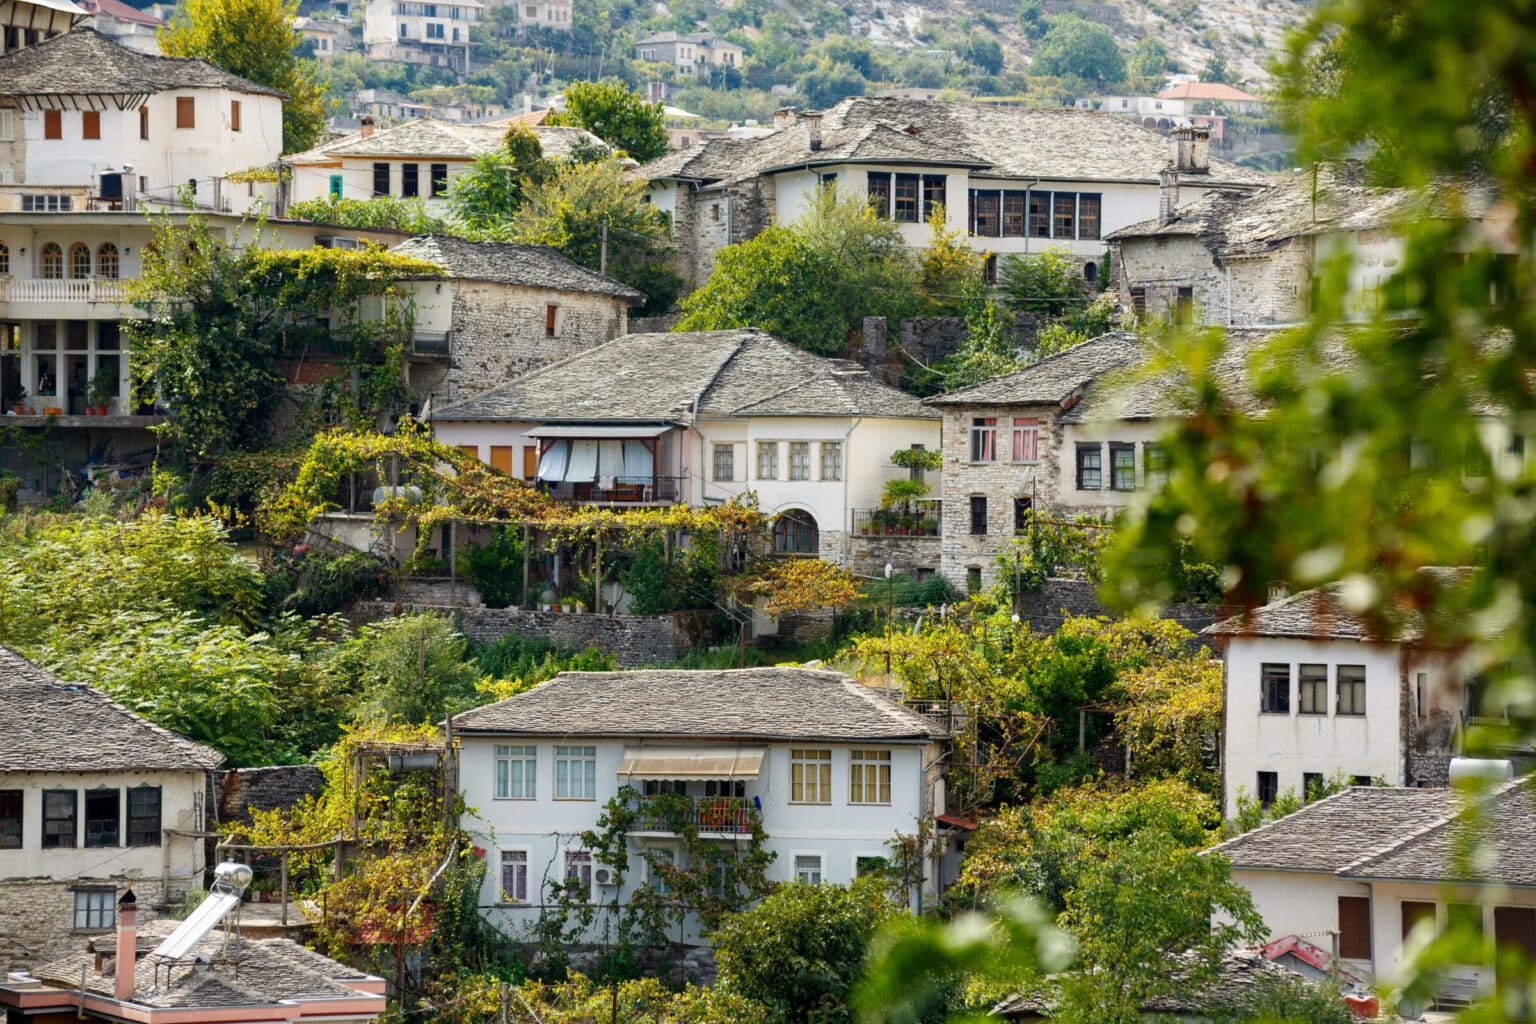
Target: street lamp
{"x":890,"y":595}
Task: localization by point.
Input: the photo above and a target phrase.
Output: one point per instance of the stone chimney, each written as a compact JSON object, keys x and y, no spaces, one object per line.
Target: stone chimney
{"x":1192,"y":149}
{"x":784,"y":117}
{"x":127,"y":947}
{"x":812,"y":124}
{"x":367,"y":126}
{"x":1168,"y":194}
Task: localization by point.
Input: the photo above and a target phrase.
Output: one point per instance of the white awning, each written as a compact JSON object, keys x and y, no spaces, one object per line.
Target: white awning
{"x":596,"y":432}
{"x":691,"y":763}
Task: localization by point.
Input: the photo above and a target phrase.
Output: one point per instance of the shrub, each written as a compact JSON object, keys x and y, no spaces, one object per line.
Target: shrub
{"x":496,"y":568}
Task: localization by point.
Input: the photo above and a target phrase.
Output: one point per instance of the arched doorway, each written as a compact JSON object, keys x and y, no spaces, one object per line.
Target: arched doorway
{"x":795,"y":533}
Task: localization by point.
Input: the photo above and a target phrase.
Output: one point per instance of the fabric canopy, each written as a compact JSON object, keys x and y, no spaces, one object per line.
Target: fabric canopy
{"x":553,"y":463}
{"x":639,"y":461}
{"x":596,"y":431}
{"x":583,"y":467}
{"x":691,"y":763}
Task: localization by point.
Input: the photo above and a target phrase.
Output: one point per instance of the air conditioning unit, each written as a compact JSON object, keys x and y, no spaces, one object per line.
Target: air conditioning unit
{"x":604,"y":875}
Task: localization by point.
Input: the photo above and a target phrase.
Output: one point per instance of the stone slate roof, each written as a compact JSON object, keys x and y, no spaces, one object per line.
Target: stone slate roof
{"x":666,"y":378}
{"x":1320,"y":614}
{"x":1391,"y":834}
{"x":1055,"y":379}
{"x":1251,"y":224}
{"x":1051,"y":144}
{"x":535,"y":266}
{"x":54,"y":726}
{"x":745,"y":704}
{"x":84,"y":62}
{"x":254,"y":972}
{"x":426,"y":137}
{"x":1240,"y":970}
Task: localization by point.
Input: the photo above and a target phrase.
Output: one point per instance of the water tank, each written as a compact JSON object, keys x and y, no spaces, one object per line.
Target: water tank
{"x":1481,"y":768}
{"x":111,"y":186}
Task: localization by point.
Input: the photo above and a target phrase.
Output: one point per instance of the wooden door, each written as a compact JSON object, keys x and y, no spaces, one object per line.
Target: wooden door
{"x":1354,"y":927}
{"x":530,"y":461}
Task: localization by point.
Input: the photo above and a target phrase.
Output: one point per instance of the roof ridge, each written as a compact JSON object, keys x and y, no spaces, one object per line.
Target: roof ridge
{"x":1266,"y":826}
{"x":1463,"y":803}
{"x":1054,"y":357}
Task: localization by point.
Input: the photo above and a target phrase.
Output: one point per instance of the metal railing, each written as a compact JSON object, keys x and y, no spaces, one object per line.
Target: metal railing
{"x":730,"y":815}
{"x":618,"y":490}
{"x":915,"y":519}
{"x":74,"y":289}
{"x":429,"y":343}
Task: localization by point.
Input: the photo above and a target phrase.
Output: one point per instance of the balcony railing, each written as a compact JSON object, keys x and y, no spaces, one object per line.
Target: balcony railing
{"x":429,"y":343}
{"x":915,"y":519}
{"x":618,"y":490}
{"x":75,"y":289}
{"x":673,"y":814}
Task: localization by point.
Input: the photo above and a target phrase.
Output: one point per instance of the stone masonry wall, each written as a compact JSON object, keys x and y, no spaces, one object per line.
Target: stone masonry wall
{"x":633,"y":640}
{"x":1057,"y":599}
{"x":37,"y":916}
{"x":498,"y":332}
{"x":869,"y":555}
{"x":705,"y":222}
{"x":265,"y":789}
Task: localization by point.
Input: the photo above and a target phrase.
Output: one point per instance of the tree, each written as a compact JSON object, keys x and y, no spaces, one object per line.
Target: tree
{"x":802,"y":584}
{"x":390,"y":212}
{"x":800,"y":950}
{"x":1073,"y":47}
{"x":416,"y":671}
{"x":1216,"y":70}
{"x":1149,"y":60}
{"x":483,"y":199}
{"x":1046,"y":283}
{"x":949,"y":271}
{"x":255,"y":39}
{"x":616,"y":114}
{"x":826,"y":83}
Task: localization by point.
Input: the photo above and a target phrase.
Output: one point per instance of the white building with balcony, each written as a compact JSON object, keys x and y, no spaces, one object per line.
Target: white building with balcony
{"x":830,"y":769}
{"x":411,"y":32}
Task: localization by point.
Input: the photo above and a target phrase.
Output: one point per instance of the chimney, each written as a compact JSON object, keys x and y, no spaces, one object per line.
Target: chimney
{"x":367,"y":126}
{"x":784,"y":117}
{"x":1193,"y":149}
{"x":127,"y":946}
{"x":812,"y":124}
{"x":1168,"y":194}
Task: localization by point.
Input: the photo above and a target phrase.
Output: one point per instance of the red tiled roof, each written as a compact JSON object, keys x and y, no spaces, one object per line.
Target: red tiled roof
{"x":1208,"y":91}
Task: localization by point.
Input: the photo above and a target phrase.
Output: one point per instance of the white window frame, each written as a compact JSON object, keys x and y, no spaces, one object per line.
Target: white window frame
{"x":800,"y":449}
{"x":582,"y":859}
{"x":7,"y":124}
{"x":768,"y":448}
{"x":833,"y":449}
{"x":821,"y":867}
{"x":566,"y":756}
{"x":99,"y":905}
{"x":653,"y":878}
{"x":982,"y":438}
{"x":861,"y":762}
{"x":502,"y":896}
{"x":1021,"y":426}
{"x":810,"y":757}
{"x":527,"y":755}
{"x":716,"y":451}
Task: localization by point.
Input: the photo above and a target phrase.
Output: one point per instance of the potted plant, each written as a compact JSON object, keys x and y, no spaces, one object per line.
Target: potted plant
{"x":19,"y":403}
{"x":98,"y":392}
{"x":897,"y":500}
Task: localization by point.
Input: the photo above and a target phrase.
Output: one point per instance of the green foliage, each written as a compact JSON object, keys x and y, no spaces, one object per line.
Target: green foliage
{"x":1216,"y":70}
{"x":482,"y":200}
{"x":1285,"y":998}
{"x":659,"y":579}
{"x":1046,"y":283}
{"x":1149,"y":60}
{"x":496,"y":567}
{"x":1075,"y":48}
{"x":255,"y":39}
{"x":309,"y":582}
{"x":415,"y":671}
{"x":381,"y":212}
{"x":801,"y":949}
{"x":811,"y":283}
{"x":949,"y":271}
{"x":618,"y":115}
{"x":524,"y":662}
{"x":826,"y":82}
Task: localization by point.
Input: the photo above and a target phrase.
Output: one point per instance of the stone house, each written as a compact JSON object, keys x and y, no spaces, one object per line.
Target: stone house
{"x":434,"y":35}
{"x":504,"y":310}
{"x":830,"y":768}
{"x":1313,"y":693}
{"x":27,"y":22}
{"x":1380,"y":867}
{"x":1250,"y":259}
{"x":1011,"y":179}
{"x":703,"y":417}
{"x":92,"y":797}
{"x":690,"y":52}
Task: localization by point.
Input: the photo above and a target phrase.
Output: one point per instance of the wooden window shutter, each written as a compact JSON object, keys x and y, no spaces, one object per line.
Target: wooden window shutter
{"x":234,"y":115}
{"x":90,"y":124}
{"x":53,"y":124}
{"x":1354,"y":927}
{"x":186,"y":112}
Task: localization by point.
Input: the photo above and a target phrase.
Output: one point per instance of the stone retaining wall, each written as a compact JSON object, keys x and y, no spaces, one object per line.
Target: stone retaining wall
{"x":244,"y":790}
{"x":1046,"y":608}
{"x":37,"y":916}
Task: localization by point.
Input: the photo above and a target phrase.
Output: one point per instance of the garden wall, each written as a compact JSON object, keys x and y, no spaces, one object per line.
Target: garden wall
{"x":1046,"y":608}
{"x":244,"y":790}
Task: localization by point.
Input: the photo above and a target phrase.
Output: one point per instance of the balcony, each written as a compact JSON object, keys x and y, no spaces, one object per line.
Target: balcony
{"x":431,"y":344}
{"x":76,"y":289}
{"x":618,"y":490}
{"x":915,"y":519}
{"x":672,"y":814}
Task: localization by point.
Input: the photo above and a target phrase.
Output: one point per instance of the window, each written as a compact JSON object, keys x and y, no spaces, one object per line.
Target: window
{"x":58,"y":819}
{"x":186,"y":112}
{"x":656,"y":787}
{"x":799,"y":460}
{"x":516,"y":772}
{"x":973,"y":579}
{"x":434,"y":30}
{"x":95,"y":909}
{"x":880,"y":195}
{"x":1414,"y":912}
{"x":578,"y":873}
{"x":808,"y":868}
{"x":439,"y":179}
{"x":767,"y":460}
{"x":106,"y":261}
{"x":90,"y":124}
{"x":79,"y":260}
{"x":514,"y":876}
{"x":1275,"y":689}
{"x":984,"y":214}
{"x":551,"y":320}
{"x":5,"y":259}
{"x":871,"y":864}
{"x":1269,"y":788}
{"x":1026,"y":440}
{"x":1139,"y":301}
{"x":1039,"y":215}
{"x":1311,"y":785}
{"x":933,"y":193}
{"x":234,"y":115}
{"x":1063,"y":214}
{"x":714,"y":211}
{"x":575,"y":773}
{"x":658,"y":866}
{"x":144,"y":123}
{"x":810,"y":776}
{"x":103,"y":809}
{"x":869,"y":777}
{"x":1088,"y":216}
{"x":1312,"y":690}
{"x":410,"y":184}
{"x":1351,"y":689}
{"x":984,"y":439}
{"x":1184,"y":305}
{"x":907,"y":189}
{"x":1154,"y":463}
{"x":1014,"y":206}
{"x":144,"y":816}
{"x":12,"y":803}
{"x":53,"y":124}
{"x":831,"y":460}
{"x":1122,"y":467}
{"x":1090,"y":467}
{"x":724,"y":462}
{"x":725,"y":787}
{"x":1354,"y":927}
{"x":1359,"y":780}
{"x":795,"y":533}
{"x":335,"y":186}
{"x":1514,"y":928}
{"x":381,"y":179}
{"x":7,"y":125}
{"x":1021,"y":510}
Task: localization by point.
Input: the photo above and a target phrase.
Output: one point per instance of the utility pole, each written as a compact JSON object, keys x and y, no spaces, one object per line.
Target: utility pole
{"x":602,"y":258}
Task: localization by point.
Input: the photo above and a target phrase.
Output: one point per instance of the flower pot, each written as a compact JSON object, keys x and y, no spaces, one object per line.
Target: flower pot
{"x":101,"y":410}
{"x":90,"y":410}
{"x":18,"y":408}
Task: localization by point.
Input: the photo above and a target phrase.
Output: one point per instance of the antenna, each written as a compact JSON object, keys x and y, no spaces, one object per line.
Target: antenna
{"x":229,"y":882}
